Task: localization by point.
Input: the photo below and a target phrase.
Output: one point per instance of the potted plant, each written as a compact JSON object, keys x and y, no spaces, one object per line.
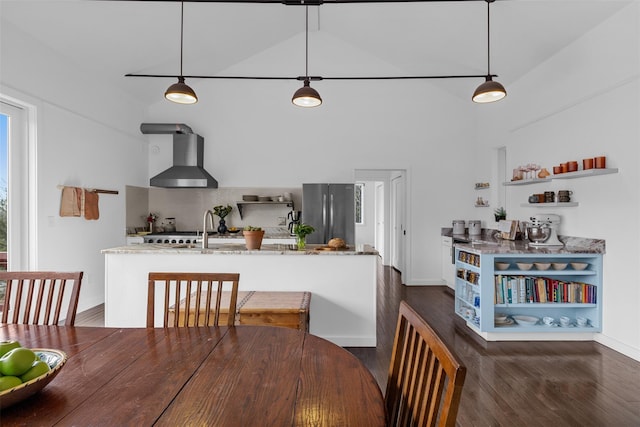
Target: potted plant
{"x":222,"y":211}
{"x":301,"y":231}
{"x":500,"y":213}
{"x":253,"y":237}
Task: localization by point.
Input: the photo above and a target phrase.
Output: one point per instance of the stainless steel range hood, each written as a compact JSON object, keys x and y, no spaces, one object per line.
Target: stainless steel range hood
{"x":188,"y":151}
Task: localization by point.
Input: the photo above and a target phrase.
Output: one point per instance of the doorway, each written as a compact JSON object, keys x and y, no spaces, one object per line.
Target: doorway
{"x":387,"y":212}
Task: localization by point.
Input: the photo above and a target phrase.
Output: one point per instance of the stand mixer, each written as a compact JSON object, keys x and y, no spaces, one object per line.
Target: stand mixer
{"x":543,"y":230}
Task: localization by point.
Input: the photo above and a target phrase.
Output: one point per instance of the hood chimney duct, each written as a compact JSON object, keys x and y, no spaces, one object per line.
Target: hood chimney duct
{"x":188,"y":152}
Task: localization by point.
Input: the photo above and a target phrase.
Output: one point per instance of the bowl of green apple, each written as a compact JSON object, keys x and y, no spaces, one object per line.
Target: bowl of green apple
{"x":24,"y":372}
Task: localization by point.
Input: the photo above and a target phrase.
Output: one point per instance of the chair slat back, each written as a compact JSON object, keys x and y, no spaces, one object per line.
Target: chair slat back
{"x":37,"y":297}
{"x":425,"y":378}
{"x":193,"y":299}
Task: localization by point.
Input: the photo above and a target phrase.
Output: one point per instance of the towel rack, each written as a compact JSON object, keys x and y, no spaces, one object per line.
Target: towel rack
{"x":93,"y":190}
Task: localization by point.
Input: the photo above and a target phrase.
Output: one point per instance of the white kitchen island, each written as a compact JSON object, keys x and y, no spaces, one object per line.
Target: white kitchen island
{"x":342,"y":283}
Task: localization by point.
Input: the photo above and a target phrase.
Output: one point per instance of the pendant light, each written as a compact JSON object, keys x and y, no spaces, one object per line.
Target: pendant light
{"x":489,"y":91}
{"x":179,"y":92}
{"x":306,"y":96}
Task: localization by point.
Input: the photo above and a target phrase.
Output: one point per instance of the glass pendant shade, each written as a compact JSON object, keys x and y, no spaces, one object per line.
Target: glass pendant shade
{"x":489,"y":91}
{"x":306,"y":96}
{"x":181,"y":93}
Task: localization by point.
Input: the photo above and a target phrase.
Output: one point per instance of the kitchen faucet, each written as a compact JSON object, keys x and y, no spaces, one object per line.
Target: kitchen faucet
{"x":205,"y":237}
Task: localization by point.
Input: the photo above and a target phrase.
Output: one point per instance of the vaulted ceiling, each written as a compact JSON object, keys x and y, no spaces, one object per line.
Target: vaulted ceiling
{"x":108,"y":39}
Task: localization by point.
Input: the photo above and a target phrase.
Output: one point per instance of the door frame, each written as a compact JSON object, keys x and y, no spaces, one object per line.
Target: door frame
{"x":22,"y":183}
{"x":398,"y":223}
{"x":385,"y":176}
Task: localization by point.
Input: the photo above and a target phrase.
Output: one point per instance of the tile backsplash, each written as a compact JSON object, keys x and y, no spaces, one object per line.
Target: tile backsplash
{"x":187,"y":206}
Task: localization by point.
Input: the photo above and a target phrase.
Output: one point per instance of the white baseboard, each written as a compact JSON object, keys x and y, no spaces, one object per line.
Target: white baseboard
{"x":618,"y":346}
{"x":427,"y":282}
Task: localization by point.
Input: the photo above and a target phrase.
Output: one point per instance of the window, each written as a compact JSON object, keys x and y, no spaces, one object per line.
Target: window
{"x":3,"y":190}
{"x":14,"y":179}
{"x":359,"y":193}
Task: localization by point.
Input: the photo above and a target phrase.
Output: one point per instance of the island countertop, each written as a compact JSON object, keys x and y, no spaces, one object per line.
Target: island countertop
{"x":342,"y":283}
{"x":238,"y":249}
{"x":489,"y":243}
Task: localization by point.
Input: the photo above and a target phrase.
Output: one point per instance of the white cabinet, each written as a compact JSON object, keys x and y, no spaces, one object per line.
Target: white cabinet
{"x":448,"y":265}
{"x":135,"y":240}
{"x":486,"y":296}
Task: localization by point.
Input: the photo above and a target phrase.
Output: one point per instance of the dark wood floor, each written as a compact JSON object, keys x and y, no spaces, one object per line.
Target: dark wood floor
{"x":507,"y":383}
{"x":515,"y":383}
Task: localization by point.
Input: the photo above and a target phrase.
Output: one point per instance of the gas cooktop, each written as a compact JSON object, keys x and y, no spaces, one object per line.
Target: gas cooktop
{"x":175,"y":237}
{"x":180,"y":233}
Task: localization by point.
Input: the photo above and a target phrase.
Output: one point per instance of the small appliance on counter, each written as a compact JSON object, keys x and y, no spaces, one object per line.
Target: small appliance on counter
{"x":458,"y":226}
{"x":169,"y":225}
{"x":475,"y":227}
{"x":294,"y":216}
{"x":543,"y":230}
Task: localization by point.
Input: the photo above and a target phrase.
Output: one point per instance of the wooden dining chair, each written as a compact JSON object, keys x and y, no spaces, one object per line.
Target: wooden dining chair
{"x":425,"y":378}
{"x":193,"y":299}
{"x":37,"y":297}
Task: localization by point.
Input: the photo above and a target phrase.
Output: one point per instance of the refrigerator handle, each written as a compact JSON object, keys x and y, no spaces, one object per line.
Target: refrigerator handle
{"x":324,"y":214}
{"x":330,"y":217}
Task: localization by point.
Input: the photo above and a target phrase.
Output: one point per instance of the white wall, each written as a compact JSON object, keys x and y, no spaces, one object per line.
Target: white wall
{"x":86,"y":136}
{"x":581,"y":103}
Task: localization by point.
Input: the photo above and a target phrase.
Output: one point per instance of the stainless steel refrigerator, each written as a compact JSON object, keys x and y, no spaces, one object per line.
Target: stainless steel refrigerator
{"x":330,"y":209}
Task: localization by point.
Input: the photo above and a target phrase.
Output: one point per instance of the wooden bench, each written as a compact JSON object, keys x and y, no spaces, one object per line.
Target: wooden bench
{"x":286,"y":309}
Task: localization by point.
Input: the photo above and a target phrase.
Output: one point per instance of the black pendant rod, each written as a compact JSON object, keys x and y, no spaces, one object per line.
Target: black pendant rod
{"x":306,"y":43}
{"x":314,"y":78}
{"x":181,"y":33}
{"x":488,"y":38}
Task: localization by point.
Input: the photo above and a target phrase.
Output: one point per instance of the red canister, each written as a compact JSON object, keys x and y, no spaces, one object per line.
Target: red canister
{"x":601,"y":162}
{"x":572,"y":166}
{"x":587,"y":164}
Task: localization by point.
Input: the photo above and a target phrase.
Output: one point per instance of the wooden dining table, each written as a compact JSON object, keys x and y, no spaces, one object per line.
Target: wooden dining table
{"x":206,"y":376}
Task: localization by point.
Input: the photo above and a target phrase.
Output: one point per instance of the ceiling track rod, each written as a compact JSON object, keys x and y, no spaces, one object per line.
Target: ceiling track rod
{"x":315,"y":78}
{"x":301,"y":2}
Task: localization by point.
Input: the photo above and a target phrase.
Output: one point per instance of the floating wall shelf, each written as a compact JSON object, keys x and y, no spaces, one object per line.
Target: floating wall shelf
{"x":567,"y":175}
{"x":553,"y":205}
{"x":242,"y":204}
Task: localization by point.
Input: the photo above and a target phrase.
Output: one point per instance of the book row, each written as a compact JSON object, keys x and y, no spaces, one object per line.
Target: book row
{"x":528,"y":289}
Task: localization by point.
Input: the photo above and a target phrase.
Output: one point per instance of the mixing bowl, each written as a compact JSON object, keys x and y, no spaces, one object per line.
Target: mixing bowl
{"x":538,"y":234}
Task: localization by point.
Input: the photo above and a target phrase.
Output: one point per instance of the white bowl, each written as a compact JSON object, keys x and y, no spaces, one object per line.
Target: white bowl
{"x":542,"y":265}
{"x":579,"y":265}
{"x":524,"y":265}
{"x":559,"y":265}
{"x":526,"y":320}
{"x":502,"y":265}
{"x":500,"y":317}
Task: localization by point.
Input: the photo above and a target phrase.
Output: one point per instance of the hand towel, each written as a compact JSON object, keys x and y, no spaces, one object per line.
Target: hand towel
{"x":69,"y":205}
{"x":91,"y":205}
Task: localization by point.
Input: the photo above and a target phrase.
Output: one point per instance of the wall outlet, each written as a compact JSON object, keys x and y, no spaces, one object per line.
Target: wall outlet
{"x":282,"y":220}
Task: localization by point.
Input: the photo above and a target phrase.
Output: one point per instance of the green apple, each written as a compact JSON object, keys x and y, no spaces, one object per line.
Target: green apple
{"x":17,"y":361}
{"x":38,"y":368}
{"x":6,"y":346}
{"x":8,"y":382}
